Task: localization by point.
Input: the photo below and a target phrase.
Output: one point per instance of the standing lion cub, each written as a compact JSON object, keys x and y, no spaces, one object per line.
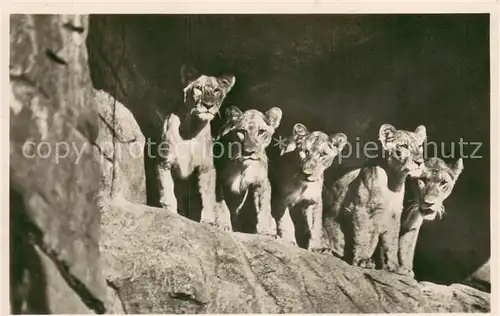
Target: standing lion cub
{"x":429,"y":192}
{"x":187,"y":141}
{"x":364,"y":206}
{"x":299,"y":184}
{"x":243,"y":169}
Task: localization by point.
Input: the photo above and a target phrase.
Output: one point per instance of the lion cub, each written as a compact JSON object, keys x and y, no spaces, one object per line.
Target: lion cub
{"x":243,"y":170}
{"x":429,"y":191}
{"x":299,"y":184}
{"x":364,"y":206}
{"x":187,"y":141}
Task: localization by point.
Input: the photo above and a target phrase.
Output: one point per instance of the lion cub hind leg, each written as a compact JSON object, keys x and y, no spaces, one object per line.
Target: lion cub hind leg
{"x":285,"y":227}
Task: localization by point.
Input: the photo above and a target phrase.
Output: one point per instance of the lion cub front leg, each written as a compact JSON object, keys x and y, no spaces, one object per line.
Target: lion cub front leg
{"x":206,"y":184}
{"x":314,"y":217}
{"x":166,"y":181}
{"x":167,"y":195}
{"x":390,"y":243}
{"x":266,"y":224}
{"x":365,"y":238}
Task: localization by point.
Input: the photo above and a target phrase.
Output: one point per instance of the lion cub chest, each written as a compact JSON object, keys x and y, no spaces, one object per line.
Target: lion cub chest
{"x":373,"y":192}
{"x":184,"y":155}
{"x":297,"y":192}
{"x":240,"y":176}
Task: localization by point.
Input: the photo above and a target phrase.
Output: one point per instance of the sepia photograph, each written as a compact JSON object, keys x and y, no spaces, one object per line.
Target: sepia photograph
{"x":250,"y":163}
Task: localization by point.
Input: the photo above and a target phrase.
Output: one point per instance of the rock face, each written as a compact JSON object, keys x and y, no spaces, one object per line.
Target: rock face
{"x":120,"y":151}
{"x":160,"y":262}
{"x":54,"y":218}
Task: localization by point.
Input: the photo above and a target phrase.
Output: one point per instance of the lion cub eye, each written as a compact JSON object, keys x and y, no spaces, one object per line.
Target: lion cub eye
{"x":261,"y":132}
{"x":217,"y":90}
{"x":443,"y":183}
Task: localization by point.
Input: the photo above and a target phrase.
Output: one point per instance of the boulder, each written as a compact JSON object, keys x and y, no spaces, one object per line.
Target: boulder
{"x":54,"y":218}
{"x":120,"y":151}
{"x":160,"y":262}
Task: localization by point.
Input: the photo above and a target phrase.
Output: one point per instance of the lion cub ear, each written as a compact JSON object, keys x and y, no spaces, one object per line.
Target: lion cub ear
{"x":232,"y":115}
{"x":338,"y":140}
{"x":458,"y":167}
{"x":386,"y":136}
{"x":188,"y":74}
{"x":421,"y":133}
{"x":226,"y":82}
{"x":299,"y":131}
{"x":273,"y":117}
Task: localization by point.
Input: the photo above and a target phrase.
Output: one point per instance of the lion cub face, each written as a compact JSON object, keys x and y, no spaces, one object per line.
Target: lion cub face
{"x":403,"y":150}
{"x":435,"y":185}
{"x":205,"y":93}
{"x":315,"y":151}
{"x":252,"y":130}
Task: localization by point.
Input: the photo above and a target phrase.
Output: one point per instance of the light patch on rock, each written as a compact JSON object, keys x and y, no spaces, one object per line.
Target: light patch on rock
{"x":40,"y":115}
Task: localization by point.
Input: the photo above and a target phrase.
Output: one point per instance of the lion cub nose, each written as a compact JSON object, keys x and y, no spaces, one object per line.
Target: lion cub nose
{"x":208,"y":105}
{"x":247,"y":152}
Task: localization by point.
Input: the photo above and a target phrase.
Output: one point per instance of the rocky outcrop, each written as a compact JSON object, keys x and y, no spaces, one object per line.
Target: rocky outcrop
{"x":120,"y":151}
{"x":481,"y":278}
{"x":54,"y":218}
{"x":160,"y":262}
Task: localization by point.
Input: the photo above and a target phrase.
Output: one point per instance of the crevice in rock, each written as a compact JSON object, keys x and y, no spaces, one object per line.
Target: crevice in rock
{"x":116,"y":290}
{"x":23,"y":79}
{"x":23,"y":226}
{"x":112,"y":129}
{"x":72,"y":27}
{"x":186,"y":297}
{"x":54,"y":57}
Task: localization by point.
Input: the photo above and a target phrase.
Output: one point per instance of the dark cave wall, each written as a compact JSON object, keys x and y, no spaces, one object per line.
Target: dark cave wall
{"x":348,"y":73}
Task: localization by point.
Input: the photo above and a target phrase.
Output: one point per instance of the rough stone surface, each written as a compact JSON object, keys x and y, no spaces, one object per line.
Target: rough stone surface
{"x":160,"y":262}
{"x":53,"y":206}
{"x":481,"y":278}
{"x":120,"y":151}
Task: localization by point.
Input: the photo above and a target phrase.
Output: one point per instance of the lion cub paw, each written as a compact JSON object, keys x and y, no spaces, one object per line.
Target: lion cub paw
{"x":286,"y":240}
{"x":364,"y":263}
{"x":225,"y":227}
{"x":404,"y":271}
{"x":174,"y":122}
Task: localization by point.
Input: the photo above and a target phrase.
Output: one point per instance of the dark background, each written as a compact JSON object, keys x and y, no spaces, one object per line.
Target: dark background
{"x":335,"y":73}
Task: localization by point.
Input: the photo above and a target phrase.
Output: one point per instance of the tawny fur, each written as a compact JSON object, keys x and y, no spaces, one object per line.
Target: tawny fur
{"x":299,"y":183}
{"x":187,"y":144}
{"x":364,"y":206}
{"x":429,"y":191}
{"x":244,"y":169}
